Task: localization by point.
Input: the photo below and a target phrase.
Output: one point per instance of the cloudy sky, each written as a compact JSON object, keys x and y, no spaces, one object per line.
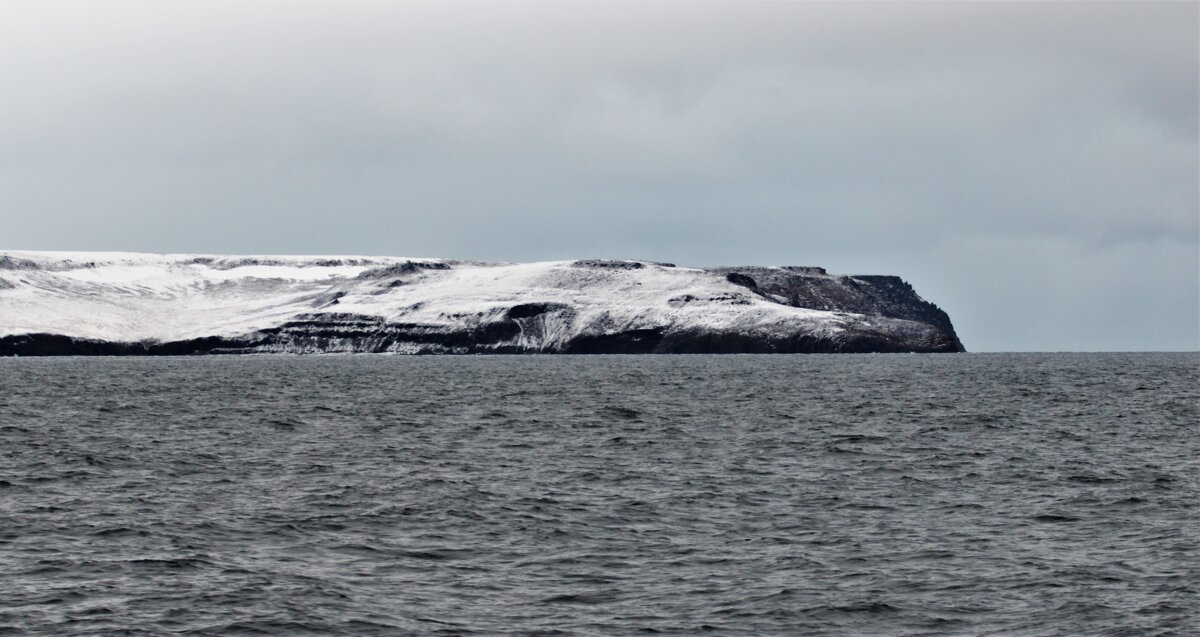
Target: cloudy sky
{"x":1032,"y":168}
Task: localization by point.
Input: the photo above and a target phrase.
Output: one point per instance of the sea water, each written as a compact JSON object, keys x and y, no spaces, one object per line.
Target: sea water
{"x":1000,"y":494}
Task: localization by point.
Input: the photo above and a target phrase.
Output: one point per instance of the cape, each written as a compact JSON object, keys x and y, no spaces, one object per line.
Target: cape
{"x":106,"y":303}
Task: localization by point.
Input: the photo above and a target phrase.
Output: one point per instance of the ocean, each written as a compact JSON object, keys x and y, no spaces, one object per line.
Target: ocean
{"x":960,"y":494}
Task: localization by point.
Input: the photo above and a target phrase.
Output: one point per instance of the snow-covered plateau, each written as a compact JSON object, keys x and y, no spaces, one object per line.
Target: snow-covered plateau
{"x":130,"y":303}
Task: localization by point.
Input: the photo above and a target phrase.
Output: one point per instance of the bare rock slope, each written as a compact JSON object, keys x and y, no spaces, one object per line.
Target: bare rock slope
{"x":57,"y":303}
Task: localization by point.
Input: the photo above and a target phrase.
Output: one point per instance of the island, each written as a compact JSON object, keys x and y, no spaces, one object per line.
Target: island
{"x":110,"y":303}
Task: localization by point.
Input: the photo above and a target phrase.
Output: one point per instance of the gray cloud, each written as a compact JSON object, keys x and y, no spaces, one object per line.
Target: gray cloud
{"x":1030,"y":167}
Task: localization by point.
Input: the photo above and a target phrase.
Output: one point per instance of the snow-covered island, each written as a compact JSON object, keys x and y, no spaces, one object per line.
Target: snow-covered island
{"x":109,"y":303}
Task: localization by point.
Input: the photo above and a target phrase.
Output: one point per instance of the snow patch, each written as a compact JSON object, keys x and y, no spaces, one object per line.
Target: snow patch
{"x":132,"y":297}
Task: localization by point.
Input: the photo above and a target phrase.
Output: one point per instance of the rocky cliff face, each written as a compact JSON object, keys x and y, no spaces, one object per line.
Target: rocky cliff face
{"x":123,"y":303}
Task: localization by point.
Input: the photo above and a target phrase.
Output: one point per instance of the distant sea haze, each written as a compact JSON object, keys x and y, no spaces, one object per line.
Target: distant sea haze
{"x":998,"y":494}
{"x":99,"y":303}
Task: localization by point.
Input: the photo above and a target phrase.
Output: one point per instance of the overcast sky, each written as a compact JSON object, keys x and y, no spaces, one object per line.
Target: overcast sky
{"x":1031,"y":168}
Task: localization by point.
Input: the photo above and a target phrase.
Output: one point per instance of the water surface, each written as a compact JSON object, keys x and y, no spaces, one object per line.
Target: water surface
{"x":736,"y":495}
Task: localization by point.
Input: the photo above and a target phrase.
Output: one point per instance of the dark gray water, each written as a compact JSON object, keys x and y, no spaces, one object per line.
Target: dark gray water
{"x":736,"y":495}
